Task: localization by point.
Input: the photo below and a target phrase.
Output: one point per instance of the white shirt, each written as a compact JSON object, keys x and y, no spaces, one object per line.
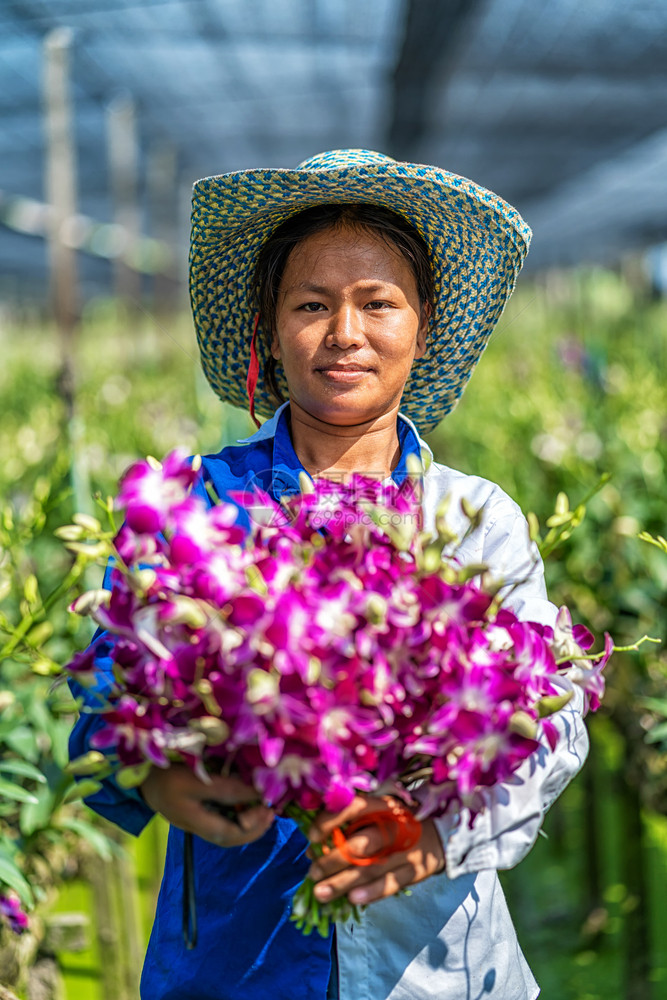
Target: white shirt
{"x":453,"y":937}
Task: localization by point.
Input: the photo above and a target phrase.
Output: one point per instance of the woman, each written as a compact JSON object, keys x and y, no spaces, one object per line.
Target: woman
{"x":362,"y":291}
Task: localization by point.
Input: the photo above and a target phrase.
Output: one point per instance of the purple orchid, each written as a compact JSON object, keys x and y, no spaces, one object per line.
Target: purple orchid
{"x":322,"y":653}
{"x":12,"y":914}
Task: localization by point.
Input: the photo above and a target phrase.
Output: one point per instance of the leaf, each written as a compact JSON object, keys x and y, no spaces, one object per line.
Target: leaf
{"x":22,"y":767}
{"x":23,"y":741}
{"x":657,"y":733}
{"x":82,"y":789}
{"x":12,"y":876}
{"x":16,"y":792}
{"x":37,"y":815}
{"x":655,"y":704}
{"x":97,"y":840}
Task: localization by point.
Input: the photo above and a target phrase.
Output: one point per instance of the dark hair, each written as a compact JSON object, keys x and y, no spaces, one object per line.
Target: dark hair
{"x":390,"y":226}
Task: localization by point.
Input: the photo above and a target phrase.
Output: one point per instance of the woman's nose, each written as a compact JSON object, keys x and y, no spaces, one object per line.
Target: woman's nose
{"x":345,"y":328}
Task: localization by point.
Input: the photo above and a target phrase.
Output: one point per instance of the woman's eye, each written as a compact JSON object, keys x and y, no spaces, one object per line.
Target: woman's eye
{"x":378,"y":304}
{"x":311,"y":307}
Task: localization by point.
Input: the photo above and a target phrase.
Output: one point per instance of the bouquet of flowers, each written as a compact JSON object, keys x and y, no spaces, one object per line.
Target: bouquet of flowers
{"x":334,"y":648}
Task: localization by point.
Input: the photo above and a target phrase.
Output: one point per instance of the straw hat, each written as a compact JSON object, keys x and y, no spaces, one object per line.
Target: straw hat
{"x":477,"y":244}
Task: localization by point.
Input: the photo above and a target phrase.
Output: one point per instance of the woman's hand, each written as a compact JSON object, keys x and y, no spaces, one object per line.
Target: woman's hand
{"x":190,"y":804}
{"x":364,"y":884}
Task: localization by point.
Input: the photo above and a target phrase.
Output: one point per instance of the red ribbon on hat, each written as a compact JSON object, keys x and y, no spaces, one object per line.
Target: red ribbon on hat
{"x":253,"y":372}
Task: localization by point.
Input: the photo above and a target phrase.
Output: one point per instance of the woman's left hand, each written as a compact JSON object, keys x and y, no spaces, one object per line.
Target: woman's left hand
{"x":336,"y":876}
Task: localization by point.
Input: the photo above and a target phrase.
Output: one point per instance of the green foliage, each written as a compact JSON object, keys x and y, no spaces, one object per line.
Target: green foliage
{"x":571,"y":396}
{"x":571,"y":390}
{"x":35,"y":631}
{"x":132,"y":399}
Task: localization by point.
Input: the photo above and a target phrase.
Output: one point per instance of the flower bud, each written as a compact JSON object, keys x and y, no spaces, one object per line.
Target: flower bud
{"x":89,"y":602}
{"x":553,"y":703}
{"x":88,"y":763}
{"x":30,"y":589}
{"x":95,"y":551}
{"x":142,"y":580}
{"x":522,"y":724}
{"x":131,"y":777}
{"x":432,"y":557}
{"x":186,"y":611}
{"x":474,"y":516}
{"x":376,"y":609}
{"x":306,"y":484}
{"x":261,"y":685}
{"x":87,"y":522}
{"x":39,"y":634}
{"x":204,"y":689}
{"x":533,"y":527}
{"x":69,"y":532}
{"x":215,"y":731}
{"x":414,"y":465}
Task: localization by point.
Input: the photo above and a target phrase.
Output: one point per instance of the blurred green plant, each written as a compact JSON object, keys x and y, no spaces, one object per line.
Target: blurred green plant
{"x":572,"y":387}
{"x":132,"y":398}
{"x":44,"y":833}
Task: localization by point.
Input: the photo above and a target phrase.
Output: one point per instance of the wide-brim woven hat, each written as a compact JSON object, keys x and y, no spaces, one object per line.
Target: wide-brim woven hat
{"x":477,"y":244}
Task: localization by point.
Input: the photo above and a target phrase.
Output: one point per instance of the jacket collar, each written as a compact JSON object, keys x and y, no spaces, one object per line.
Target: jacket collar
{"x":286,"y":464}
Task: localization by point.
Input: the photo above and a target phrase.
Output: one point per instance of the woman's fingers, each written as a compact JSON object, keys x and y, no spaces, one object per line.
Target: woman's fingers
{"x":326,"y":822}
{"x":228,"y":790}
{"x":205,"y":822}
{"x":204,"y":808}
{"x":336,"y":876}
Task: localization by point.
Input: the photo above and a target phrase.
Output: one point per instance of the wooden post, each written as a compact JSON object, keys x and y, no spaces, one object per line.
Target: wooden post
{"x":161,"y":180}
{"x":100,"y":875}
{"x":60,"y":190}
{"x":61,"y":196}
{"x":131,"y":937}
{"x":124,"y":171}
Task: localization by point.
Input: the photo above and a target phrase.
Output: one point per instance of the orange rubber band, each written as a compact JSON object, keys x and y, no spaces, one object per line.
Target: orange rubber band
{"x":397,"y":824}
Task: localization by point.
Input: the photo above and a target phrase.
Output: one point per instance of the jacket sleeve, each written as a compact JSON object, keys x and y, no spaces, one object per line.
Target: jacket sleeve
{"x":503,"y":833}
{"x":124,"y":807}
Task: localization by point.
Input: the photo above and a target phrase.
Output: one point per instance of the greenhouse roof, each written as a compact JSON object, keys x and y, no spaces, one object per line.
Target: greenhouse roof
{"x":559,"y":106}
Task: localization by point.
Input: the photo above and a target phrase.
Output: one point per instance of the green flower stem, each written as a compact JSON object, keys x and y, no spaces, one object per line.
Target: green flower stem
{"x":615,"y":649}
{"x":308,"y":913}
{"x":39,"y":613}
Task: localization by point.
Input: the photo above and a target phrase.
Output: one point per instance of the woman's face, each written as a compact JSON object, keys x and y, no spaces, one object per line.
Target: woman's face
{"x":348,"y":326}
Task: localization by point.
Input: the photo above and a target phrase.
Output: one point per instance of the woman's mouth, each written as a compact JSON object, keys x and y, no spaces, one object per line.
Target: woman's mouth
{"x":344,"y":373}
